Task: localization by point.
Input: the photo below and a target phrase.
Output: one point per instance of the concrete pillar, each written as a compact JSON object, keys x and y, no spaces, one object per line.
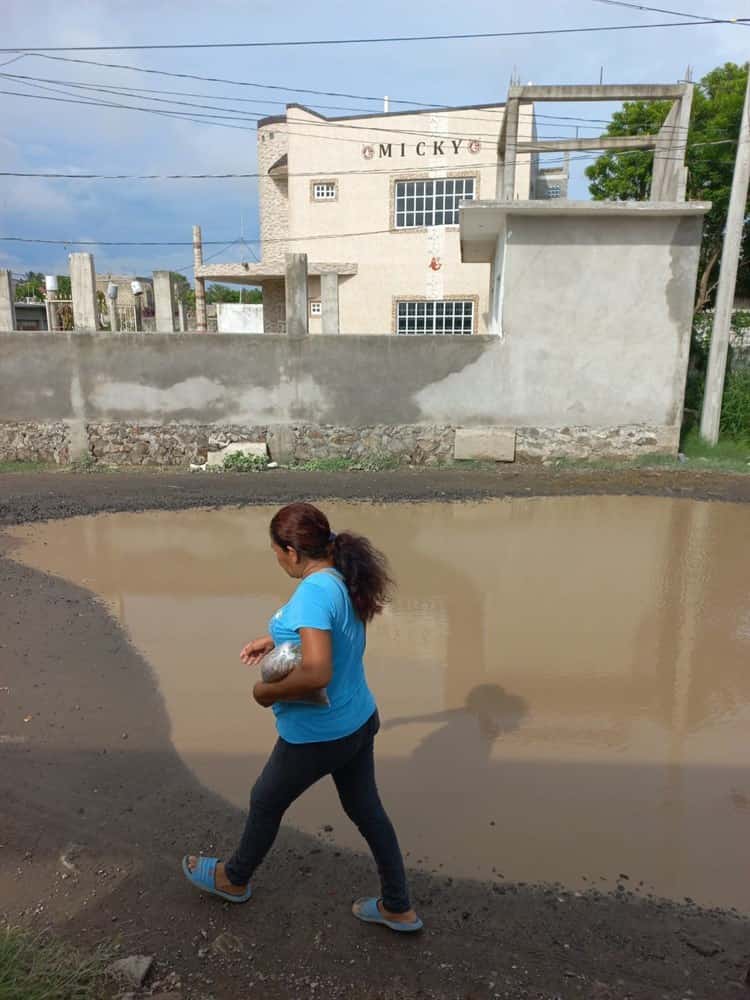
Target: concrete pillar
{"x":114,"y":316}
{"x":296,"y":295}
{"x":510,"y":152}
{"x":164,"y":302}
{"x":7,"y":309}
{"x":181,"y":316}
{"x":201,"y":323}
{"x":83,"y":291}
{"x":329,"y":302}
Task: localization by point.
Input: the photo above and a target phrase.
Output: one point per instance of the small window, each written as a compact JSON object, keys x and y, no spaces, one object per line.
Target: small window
{"x":316,"y":309}
{"x":554,"y":191}
{"x":324,"y":191}
{"x":431,"y":203}
{"x":450,"y":316}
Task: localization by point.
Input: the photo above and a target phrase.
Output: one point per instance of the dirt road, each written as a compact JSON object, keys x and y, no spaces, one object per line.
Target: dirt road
{"x":97,"y":808}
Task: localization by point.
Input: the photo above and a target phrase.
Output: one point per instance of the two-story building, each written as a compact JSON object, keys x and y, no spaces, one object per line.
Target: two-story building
{"x":373,"y":201}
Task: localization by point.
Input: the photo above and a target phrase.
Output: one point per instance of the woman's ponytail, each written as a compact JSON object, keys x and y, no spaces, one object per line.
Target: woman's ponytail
{"x":365,"y":572}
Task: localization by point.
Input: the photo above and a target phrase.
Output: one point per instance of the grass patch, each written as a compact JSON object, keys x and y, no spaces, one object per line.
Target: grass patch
{"x":729,"y":454}
{"x":27,"y":466}
{"x":37,"y":967}
{"x":374,"y":462}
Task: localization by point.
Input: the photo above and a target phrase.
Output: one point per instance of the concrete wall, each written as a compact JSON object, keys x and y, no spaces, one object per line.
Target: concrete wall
{"x":347,"y":393}
{"x":596,"y":315}
{"x":239,"y":317}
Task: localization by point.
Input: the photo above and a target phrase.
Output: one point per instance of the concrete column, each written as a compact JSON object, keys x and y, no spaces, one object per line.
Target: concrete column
{"x":164,"y":302}
{"x":181,"y":316}
{"x":329,"y":302}
{"x":114,"y":316}
{"x":510,"y":152}
{"x":83,"y":291}
{"x":7,"y":309}
{"x":296,"y":295}
{"x":201,"y":323}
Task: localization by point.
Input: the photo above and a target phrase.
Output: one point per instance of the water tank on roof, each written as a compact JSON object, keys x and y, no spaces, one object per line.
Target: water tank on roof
{"x":50,"y":283}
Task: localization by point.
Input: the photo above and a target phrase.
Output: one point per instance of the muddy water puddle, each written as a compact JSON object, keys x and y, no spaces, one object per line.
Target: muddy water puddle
{"x":564,"y":684}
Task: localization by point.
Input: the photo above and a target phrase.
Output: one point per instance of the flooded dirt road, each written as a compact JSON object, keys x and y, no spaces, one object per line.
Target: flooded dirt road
{"x":563,"y":683}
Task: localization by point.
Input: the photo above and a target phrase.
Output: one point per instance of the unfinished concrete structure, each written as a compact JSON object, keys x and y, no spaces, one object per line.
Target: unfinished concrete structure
{"x":593,"y":299}
{"x":669,"y":144}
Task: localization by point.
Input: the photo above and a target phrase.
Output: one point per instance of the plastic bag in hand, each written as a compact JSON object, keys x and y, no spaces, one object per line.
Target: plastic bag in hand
{"x":280,"y":662}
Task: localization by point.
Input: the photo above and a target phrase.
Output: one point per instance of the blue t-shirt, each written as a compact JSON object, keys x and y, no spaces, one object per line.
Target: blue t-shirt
{"x":322,"y":601}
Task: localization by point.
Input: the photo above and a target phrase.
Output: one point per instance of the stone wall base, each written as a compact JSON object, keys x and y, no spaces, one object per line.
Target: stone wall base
{"x":179,"y":444}
{"x":30,"y":442}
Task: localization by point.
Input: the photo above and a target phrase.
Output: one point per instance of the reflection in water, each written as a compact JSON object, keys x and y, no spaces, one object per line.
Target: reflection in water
{"x":470,"y":731}
{"x":564,"y":683}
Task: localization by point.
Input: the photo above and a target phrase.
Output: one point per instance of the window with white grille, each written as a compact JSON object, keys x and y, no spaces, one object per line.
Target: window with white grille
{"x":316,"y":308}
{"x":554,"y":191}
{"x":452,"y":316}
{"x":431,"y":202}
{"x":324,"y":191}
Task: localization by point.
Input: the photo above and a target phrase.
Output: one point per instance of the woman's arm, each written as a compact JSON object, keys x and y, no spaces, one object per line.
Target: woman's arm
{"x":315,"y":671}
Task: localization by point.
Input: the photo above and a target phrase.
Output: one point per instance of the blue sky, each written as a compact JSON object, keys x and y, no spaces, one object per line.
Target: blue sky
{"x":43,"y":135}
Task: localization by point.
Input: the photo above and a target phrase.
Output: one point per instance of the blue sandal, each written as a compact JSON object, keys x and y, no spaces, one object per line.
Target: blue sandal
{"x":203,"y":877}
{"x":367,"y":909}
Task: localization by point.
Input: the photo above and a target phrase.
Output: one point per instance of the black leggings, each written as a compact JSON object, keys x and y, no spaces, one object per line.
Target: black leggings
{"x":291,"y":769}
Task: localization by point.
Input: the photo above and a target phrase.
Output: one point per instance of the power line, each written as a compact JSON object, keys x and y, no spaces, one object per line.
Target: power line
{"x":198,"y":117}
{"x":234,"y":83}
{"x":421,"y":105}
{"x":374,"y":40}
{"x":388,"y":171}
{"x":123,"y":91}
{"x":673,"y":13}
{"x":178,"y":115}
{"x":286,"y":239}
{"x":540,"y":116}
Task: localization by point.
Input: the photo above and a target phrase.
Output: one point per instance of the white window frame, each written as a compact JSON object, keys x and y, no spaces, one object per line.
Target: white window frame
{"x":316,"y":307}
{"x":427,"y":202}
{"x":435,"y":317}
{"x":324,"y":191}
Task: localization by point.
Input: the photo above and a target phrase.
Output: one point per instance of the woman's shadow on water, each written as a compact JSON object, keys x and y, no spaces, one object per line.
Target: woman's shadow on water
{"x":468,"y":733}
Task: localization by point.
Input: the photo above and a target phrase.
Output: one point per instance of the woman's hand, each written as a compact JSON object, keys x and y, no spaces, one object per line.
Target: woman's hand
{"x":254,"y":652}
{"x":314,"y":673}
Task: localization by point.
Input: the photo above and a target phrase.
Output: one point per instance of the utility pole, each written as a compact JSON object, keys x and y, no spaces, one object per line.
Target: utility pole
{"x":200,"y":284}
{"x":717,"y":358}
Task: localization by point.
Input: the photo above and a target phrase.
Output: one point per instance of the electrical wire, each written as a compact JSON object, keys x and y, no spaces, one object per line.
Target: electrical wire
{"x":198,"y":117}
{"x":421,"y":105}
{"x":390,"y":171}
{"x":672,"y":13}
{"x":373,"y":40}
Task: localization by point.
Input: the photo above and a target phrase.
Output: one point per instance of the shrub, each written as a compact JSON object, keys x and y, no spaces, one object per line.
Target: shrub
{"x":735,"y":409}
{"x":239,"y":462}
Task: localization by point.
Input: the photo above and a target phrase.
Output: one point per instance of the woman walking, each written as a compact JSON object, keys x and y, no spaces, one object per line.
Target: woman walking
{"x":344,"y":584}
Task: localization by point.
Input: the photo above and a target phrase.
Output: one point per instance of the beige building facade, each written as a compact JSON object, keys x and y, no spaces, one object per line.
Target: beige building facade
{"x":373,"y":201}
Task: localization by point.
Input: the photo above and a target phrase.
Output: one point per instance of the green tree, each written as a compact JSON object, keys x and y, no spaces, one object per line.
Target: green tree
{"x":714,"y":129}
{"x":223,"y":293}
{"x":32,"y":287}
{"x":182,"y":289}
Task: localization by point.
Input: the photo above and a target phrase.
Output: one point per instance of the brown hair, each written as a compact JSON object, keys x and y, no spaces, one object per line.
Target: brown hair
{"x":304,"y":528}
